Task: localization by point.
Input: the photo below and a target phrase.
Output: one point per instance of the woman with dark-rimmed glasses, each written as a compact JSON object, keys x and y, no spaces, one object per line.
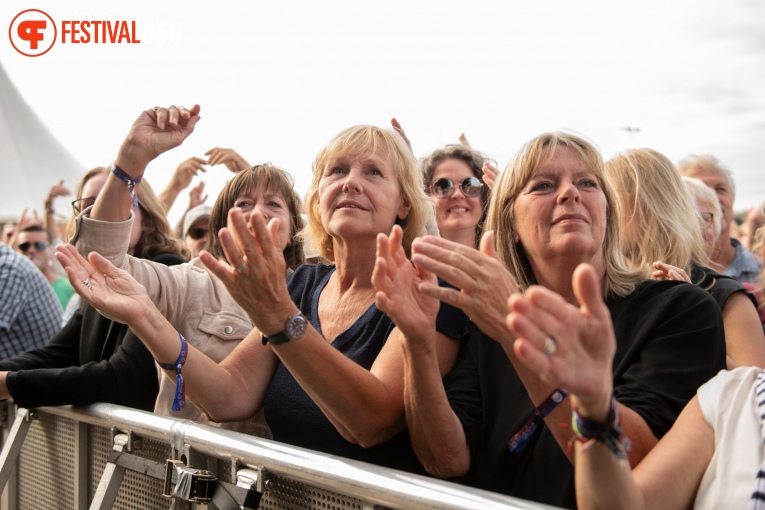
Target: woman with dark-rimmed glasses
{"x":452,"y":177}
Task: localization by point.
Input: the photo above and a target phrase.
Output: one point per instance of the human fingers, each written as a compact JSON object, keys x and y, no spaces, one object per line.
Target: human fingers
{"x":223,"y":272}
{"x":397,"y":126}
{"x":538,"y":315}
{"x":68,"y":256}
{"x":586,"y":284}
{"x":537,"y":361}
{"x":380,"y":278}
{"x":395,"y":246}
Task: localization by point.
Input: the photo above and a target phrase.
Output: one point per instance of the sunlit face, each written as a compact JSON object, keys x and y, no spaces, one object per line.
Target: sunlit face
{"x":360,"y":196}
{"x":707,"y":227}
{"x":272,"y":205}
{"x":35,"y":246}
{"x":716,"y":181}
{"x":561,"y":212}
{"x":455,"y":212}
{"x":197,"y":235}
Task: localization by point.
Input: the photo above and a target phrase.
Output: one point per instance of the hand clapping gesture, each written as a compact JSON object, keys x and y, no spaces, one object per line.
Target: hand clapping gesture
{"x":568,"y":347}
{"x":397,"y":281}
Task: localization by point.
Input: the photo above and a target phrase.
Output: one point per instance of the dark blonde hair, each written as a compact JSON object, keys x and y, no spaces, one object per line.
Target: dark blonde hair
{"x":157,"y":236}
{"x":619,"y":279}
{"x":473,"y":159}
{"x":273,"y":179}
{"x":358,"y":140}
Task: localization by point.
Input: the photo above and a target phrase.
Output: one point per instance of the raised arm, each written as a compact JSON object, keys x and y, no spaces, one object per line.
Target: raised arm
{"x":436,"y":433}
{"x":154,"y":131}
{"x":181,"y":180}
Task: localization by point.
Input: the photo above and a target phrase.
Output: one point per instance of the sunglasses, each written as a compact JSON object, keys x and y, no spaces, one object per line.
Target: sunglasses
{"x":196,"y":233}
{"x":83,"y":203}
{"x":39,"y":246}
{"x":443,"y":187}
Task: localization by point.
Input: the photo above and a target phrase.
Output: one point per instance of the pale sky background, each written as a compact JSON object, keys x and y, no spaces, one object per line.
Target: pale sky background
{"x":276,"y":80}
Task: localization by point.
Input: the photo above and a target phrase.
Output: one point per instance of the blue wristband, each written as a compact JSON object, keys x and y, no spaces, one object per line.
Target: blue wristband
{"x":179,"y":401}
{"x":120,"y":173}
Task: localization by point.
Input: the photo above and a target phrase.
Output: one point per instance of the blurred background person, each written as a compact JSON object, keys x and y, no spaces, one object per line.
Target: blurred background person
{"x":729,"y":253}
{"x":35,"y":243}
{"x":196,"y":229}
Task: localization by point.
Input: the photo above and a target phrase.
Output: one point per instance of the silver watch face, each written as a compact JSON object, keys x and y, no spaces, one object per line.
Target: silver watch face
{"x":296,"y":326}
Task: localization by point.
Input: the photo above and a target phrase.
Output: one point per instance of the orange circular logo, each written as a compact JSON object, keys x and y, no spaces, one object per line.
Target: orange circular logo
{"x":32,"y":33}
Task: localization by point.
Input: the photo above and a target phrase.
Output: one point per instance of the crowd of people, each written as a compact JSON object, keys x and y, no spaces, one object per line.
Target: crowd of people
{"x":571,"y":331}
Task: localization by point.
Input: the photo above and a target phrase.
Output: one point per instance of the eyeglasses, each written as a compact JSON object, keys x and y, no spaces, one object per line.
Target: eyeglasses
{"x":39,"y":246}
{"x":82,"y":203}
{"x":443,"y":187}
{"x":196,"y":233}
{"x":708,"y":218}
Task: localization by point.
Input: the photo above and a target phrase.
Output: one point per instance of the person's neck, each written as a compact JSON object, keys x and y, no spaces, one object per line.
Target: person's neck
{"x":464,"y":236}
{"x":556,"y":273}
{"x":353,"y":267}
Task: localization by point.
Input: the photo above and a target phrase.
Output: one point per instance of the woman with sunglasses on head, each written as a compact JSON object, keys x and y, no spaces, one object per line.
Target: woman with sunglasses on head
{"x":324,"y":362}
{"x":453,"y":180}
{"x":92,"y":358}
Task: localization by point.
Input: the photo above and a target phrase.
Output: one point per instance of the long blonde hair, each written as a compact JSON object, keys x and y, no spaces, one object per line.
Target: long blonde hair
{"x":619,"y":279}
{"x":658,"y":217}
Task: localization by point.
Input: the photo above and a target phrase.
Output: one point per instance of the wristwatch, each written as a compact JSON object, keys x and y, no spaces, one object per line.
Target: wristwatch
{"x":294,"y":328}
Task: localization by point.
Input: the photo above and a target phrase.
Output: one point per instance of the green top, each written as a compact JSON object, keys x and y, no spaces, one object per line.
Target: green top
{"x":63,"y":290}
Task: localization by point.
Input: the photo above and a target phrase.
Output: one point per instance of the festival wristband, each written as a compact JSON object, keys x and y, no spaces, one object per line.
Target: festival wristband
{"x":179,"y":401}
{"x":120,"y":173}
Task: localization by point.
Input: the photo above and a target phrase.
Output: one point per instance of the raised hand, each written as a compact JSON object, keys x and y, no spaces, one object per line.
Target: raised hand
{"x":155,"y":131}
{"x":483,"y":284}
{"x":112,"y":291}
{"x":397,"y":281}
{"x":665,"y":271}
{"x":196,"y":196}
{"x":567,"y":347}
{"x":228,"y":157}
{"x":397,"y":126}
{"x":490,"y":174}
{"x":186,"y":172}
{"x":255,"y":277}
{"x":464,"y":141}
{"x":57,"y":190}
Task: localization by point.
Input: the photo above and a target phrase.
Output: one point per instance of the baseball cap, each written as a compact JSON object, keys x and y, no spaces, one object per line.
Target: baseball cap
{"x":192,"y":215}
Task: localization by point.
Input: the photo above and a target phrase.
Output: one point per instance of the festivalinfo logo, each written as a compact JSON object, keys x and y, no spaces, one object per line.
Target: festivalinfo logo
{"x":33,"y":32}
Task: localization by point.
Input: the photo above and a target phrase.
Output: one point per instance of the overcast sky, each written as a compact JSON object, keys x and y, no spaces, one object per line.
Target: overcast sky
{"x":276,"y":80}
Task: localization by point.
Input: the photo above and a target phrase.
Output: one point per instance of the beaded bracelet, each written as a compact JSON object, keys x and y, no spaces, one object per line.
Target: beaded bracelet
{"x":518,"y":442}
{"x":608,"y":433}
{"x":120,"y":173}
{"x":179,"y":401}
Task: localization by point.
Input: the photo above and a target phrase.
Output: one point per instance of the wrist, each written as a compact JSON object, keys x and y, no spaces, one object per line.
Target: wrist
{"x":596,"y":409}
{"x":276,"y":320}
{"x":131,"y":163}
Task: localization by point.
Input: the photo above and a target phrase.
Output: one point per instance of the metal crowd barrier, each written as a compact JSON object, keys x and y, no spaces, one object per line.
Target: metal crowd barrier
{"x":105,"y":456}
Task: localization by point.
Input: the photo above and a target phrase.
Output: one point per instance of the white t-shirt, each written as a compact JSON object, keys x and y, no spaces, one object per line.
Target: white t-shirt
{"x":729,"y":406}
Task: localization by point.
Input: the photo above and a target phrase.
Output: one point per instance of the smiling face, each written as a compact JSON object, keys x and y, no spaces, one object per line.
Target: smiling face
{"x":561,"y":212}
{"x":456,"y":213}
{"x":360,"y":197}
{"x":28,"y":243}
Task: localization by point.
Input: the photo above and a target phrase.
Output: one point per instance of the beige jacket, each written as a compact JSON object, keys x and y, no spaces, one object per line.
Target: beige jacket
{"x":194,"y":301}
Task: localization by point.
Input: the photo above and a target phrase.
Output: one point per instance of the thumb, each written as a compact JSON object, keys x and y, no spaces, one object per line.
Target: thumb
{"x":487,"y":244}
{"x":587,"y":290}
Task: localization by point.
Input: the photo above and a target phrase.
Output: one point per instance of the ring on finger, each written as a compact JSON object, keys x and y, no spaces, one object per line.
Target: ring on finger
{"x":241,"y":268}
{"x":550,"y":346}
{"x":86,"y":282}
{"x":155,"y":109}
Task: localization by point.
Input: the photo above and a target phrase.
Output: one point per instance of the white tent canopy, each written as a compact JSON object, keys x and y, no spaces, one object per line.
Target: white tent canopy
{"x":31,"y":159}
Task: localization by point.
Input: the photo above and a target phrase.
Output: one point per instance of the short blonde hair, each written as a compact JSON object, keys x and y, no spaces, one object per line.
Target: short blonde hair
{"x":702,"y":192}
{"x":619,"y":279}
{"x":658,"y":218}
{"x":358,"y":140}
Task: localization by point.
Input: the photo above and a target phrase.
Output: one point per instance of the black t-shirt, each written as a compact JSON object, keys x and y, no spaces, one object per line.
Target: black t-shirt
{"x":669,"y":342}
{"x":293,"y":416}
{"x":721,"y":287}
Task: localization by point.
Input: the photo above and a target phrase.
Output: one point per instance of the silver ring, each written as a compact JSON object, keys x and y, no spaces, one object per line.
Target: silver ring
{"x":155,"y":109}
{"x":86,"y":282}
{"x":241,"y":268}
{"x":550,"y":346}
